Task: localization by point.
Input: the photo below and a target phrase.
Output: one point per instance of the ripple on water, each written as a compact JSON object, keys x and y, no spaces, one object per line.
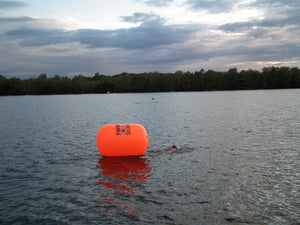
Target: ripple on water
{"x":237,"y":162}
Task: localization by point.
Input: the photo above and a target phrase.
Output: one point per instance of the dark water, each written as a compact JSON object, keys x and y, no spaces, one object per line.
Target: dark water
{"x":238,"y":161}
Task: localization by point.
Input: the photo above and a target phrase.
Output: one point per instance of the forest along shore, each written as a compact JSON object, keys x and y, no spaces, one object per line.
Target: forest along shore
{"x":267,"y":78}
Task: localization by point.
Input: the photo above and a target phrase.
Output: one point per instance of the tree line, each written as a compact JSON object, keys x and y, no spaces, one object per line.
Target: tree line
{"x":267,"y":78}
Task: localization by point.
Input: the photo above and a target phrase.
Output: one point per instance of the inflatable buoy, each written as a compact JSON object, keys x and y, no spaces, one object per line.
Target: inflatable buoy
{"x":122,"y":140}
{"x":153,"y":98}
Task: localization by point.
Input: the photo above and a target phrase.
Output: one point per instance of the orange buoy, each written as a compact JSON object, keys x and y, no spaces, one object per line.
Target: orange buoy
{"x":122,"y":140}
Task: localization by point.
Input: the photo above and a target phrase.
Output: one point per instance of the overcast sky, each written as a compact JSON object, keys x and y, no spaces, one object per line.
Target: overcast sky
{"x":70,"y":37}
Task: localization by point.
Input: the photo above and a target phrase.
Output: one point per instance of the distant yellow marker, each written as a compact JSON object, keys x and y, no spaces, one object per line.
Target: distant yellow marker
{"x":108,"y":92}
{"x":153,"y":98}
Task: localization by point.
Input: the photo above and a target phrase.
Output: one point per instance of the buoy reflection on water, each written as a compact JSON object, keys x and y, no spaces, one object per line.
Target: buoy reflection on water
{"x":123,"y":178}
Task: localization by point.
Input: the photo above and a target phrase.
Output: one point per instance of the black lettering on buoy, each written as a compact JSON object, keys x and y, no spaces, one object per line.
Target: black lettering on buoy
{"x":127,"y":129}
{"x":123,"y":129}
{"x":118,"y":130}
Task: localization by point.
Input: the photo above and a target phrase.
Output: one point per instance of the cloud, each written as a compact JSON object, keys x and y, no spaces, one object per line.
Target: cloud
{"x":212,"y":6}
{"x":160,"y":3}
{"x":143,"y":17}
{"x":8,"y":5}
{"x":39,"y":36}
{"x":16,"y":19}
{"x":267,"y":23}
{"x":279,"y":27}
{"x":66,"y":59}
{"x":276,"y":3}
{"x":277,"y":10}
{"x":152,"y":42}
{"x":151,"y":33}
{"x":148,"y":35}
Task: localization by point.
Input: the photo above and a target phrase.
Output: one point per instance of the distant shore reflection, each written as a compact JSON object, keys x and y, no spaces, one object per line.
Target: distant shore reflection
{"x":123,"y":177}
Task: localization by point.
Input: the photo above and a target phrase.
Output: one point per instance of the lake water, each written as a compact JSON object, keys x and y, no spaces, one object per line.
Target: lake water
{"x":238,"y":161}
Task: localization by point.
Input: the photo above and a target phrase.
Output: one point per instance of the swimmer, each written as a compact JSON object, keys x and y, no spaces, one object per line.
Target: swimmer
{"x":173,"y":147}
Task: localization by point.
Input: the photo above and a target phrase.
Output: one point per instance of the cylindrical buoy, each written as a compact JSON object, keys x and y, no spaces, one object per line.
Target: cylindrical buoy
{"x":122,"y":140}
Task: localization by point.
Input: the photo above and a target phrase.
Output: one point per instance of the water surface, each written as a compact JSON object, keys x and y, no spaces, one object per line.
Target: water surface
{"x":238,"y":160}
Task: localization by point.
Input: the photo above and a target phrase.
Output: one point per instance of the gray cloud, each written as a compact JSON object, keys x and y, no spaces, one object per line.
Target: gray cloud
{"x":148,"y":35}
{"x":276,"y":3}
{"x":279,"y":10}
{"x":7,"y":5}
{"x":143,"y":17}
{"x":212,"y":6}
{"x":269,"y":23}
{"x":151,"y":33}
{"x":16,"y":19}
{"x":159,"y":3}
{"x":39,"y":36}
{"x":34,"y":64}
{"x":279,"y":15}
{"x":153,"y":44}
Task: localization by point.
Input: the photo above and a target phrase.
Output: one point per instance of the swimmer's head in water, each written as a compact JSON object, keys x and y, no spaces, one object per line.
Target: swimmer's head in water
{"x":173,"y":147}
